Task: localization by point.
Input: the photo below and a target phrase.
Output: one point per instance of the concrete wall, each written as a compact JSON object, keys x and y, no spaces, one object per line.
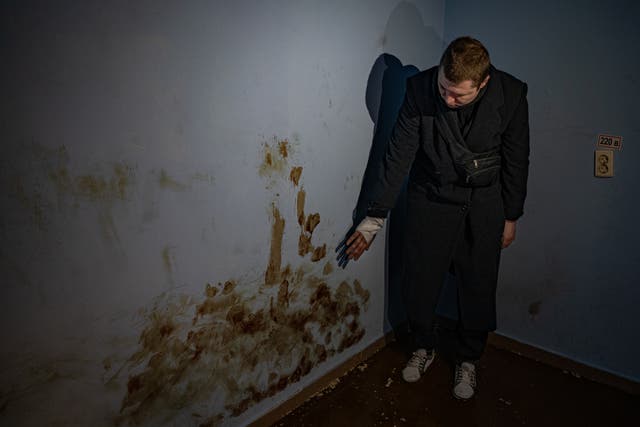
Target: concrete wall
{"x":570,"y":282}
{"x":174,"y":179}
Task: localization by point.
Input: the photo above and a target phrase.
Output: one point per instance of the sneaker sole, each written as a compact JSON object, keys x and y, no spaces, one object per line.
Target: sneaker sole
{"x":426,"y":366}
{"x":463,"y":398}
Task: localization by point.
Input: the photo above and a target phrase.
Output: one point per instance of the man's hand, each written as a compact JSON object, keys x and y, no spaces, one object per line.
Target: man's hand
{"x":352,"y":248}
{"x":509,"y":233}
{"x":355,"y":241}
{"x":356,"y":245}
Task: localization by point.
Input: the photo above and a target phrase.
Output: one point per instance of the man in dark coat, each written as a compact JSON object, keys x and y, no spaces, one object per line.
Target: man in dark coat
{"x":463,"y":136}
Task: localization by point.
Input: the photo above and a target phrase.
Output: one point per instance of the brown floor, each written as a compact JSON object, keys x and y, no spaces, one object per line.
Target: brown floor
{"x":512,"y":391}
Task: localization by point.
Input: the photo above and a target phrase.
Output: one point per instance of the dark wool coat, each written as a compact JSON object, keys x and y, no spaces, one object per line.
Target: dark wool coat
{"x":450,"y":225}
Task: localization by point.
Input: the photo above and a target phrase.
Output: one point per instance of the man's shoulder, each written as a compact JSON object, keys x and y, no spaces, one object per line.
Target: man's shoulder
{"x":508,"y":81}
{"x":420,"y":87}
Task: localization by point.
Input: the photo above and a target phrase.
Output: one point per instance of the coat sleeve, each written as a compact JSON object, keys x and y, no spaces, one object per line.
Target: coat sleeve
{"x":515,"y":160}
{"x":400,"y":152}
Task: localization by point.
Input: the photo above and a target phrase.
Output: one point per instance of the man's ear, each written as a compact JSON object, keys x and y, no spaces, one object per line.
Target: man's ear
{"x":484,"y":82}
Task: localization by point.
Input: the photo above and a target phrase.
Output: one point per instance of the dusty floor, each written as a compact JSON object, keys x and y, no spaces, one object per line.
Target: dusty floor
{"x":512,"y":391}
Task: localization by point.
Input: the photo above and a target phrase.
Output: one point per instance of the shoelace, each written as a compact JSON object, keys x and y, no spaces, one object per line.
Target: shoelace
{"x":466,"y":374}
{"x":418,"y":360}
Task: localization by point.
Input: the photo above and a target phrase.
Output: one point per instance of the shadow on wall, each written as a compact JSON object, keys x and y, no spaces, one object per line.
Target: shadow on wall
{"x":407,"y":36}
{"x":385,"y":92}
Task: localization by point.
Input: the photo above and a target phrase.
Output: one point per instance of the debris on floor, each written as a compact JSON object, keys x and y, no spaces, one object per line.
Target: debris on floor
{"x":542,"y":395}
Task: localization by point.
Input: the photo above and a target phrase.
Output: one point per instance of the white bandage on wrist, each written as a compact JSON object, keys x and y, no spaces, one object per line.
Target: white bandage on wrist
{"x":369,"y":227}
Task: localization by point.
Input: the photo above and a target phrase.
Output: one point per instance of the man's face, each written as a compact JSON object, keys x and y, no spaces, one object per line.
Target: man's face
{"x":458,"y":95}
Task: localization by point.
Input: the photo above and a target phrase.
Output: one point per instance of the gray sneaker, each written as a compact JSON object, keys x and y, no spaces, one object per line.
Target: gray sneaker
{"x":465,"y":382}
{"x":418,"y":364}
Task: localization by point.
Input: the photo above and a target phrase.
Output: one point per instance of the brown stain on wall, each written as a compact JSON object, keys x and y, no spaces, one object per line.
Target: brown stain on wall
{"x":319,"y":253}
{"x":272,"y":275}
{"x":300,"y":201}
{"x":363,"y":293}
{"x":183,"y":359}
{"x":242,"y":342}
{"x":91,"y":187}
{"x":294,"y":176}
{"x":274,"y":158}
{"x":167,"y":260}
{"x":121,"y":180}
{"x":43,"y":187}
{"x":312,"y":222}
{"x":308,"y":225}
{"x":304,"y":244}
{"x":283,"y":148}
{"x":38,"y":179}
{"x":328,"y":269}
{"x":168,"y":183}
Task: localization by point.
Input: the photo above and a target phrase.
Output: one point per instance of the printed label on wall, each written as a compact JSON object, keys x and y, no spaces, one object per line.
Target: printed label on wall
{"x":609,"y":141}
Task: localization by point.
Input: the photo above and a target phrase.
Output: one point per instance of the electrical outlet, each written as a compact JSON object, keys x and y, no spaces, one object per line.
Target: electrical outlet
{"x":604,"y":163}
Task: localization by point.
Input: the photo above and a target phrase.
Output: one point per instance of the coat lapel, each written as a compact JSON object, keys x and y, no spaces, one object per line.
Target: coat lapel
{"x":487,"y":122}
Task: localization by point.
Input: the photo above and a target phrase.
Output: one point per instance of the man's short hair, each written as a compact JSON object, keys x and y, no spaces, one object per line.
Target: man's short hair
{"x":465,"y":59}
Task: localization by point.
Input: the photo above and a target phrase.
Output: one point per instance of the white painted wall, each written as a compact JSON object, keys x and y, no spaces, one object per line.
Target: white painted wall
{"x":132,"y":139}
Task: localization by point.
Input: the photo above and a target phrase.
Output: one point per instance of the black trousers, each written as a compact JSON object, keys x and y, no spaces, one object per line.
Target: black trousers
{"x":466,"y":239}
{"x":459,"y":343}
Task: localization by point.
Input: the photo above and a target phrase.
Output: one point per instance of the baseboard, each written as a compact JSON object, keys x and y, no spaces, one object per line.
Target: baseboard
{"x":322,"y":383}
{"x":565,"y":364}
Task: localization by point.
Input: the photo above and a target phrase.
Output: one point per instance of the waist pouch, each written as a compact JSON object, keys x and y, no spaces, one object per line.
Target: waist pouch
{"x":476,"y":169}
